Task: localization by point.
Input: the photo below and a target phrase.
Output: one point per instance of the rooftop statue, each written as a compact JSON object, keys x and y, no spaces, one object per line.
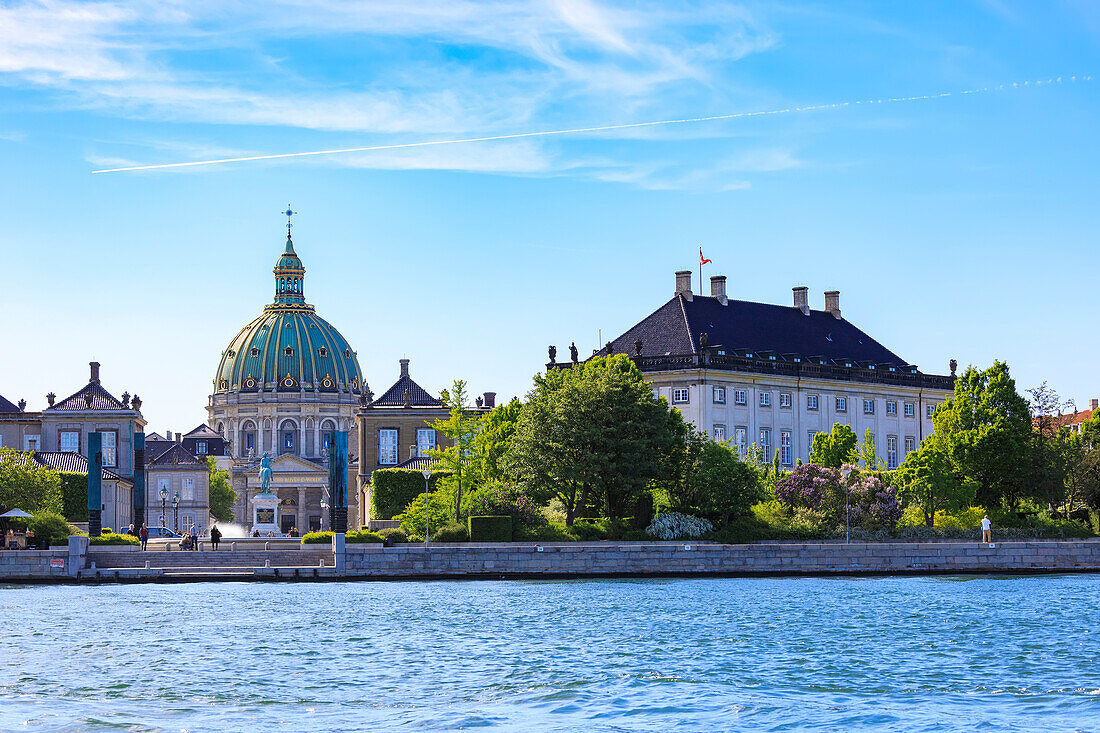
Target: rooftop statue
{"x":573,"y":351}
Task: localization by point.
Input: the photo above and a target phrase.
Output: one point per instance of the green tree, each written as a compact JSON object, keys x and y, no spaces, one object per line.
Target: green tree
{"x":1052,"y":451}
{"x":222,"y":495}
{"x":1090,"y":431}
{"x":868,"y":454}
{"x":928,"y":480}
{"x":491,"y":443}
{"x":720,"y":484}
{"x":834,"y":449}
{"x":985,"y":429}
{"x":593,"y":430}
{"x":28,"y":486}
{"x":461,"y":427}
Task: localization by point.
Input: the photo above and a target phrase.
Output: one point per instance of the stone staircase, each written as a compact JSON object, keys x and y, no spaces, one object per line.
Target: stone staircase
{"x":302,"y":563}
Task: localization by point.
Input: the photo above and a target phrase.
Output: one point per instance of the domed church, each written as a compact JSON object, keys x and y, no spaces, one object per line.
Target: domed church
{"x":284,"y":382}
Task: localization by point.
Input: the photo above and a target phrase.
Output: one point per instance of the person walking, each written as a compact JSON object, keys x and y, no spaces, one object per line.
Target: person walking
{"x":215,"y":536}
{"x":130,"y":531}
{"x":194,"y":536}
{"x":144,"y":535}
{"x":987,"y":530}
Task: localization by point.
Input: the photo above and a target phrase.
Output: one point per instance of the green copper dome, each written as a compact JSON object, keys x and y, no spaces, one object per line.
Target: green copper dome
{"x":289,"y":347}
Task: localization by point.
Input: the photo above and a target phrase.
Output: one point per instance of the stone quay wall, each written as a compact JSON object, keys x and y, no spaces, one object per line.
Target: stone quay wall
{"x":687,"y":558}
{"x":78,"y":562}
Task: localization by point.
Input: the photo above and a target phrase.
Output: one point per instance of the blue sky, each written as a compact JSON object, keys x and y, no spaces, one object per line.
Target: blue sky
{"x":960,"y":227}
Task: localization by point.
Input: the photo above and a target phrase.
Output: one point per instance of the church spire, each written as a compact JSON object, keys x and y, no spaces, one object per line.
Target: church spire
{"x":290,"y":274}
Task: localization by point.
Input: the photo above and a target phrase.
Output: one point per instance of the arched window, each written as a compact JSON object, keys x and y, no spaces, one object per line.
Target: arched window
{"x":248,"y":439}
{"x":326,"y":434}
{"x":288,"y":436}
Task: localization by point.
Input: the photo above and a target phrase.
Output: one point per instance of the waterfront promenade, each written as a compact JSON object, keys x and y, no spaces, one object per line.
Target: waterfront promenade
{"x":286,"y":562}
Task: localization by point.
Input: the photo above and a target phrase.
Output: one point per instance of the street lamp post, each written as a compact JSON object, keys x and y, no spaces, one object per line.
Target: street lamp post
{"x":324,"y":509}
{"x":427,"y":472}
{"x":163,"y":509}
{"x":176,"y":509}
{"x":847,"y":474}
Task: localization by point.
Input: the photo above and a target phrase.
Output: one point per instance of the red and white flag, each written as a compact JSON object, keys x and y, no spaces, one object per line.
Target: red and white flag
{"x":702,"y":260}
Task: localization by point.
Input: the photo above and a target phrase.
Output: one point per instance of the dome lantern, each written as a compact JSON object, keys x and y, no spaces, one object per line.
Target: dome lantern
{"x":290,"y":274}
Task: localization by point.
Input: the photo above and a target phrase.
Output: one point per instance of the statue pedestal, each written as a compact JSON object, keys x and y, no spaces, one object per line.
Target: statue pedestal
{"x":265,"y":515}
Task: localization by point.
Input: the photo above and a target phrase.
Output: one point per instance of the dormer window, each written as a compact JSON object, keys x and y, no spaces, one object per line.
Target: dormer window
{"x":254,"y":352}
{"x":289,"y":351}
{"x":322,"y":352}
{"x":347,"y":353}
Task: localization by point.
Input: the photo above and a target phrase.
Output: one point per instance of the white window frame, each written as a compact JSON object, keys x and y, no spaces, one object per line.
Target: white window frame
{"x":910,"y":444}
{"x":929,"y":410}
{"x":741,"y":439}
{"x":812,"y":402}
{"x":66,"y":445}
{"x":187,"y":521}
{"x":681,"y":395}
{"x":891,"y":407}
{"x":32,"y":442}
{"x":766,"y":444}
{"x":810,"y":435}
{"x":718,"y":394}
{"x":109,"y":447}
{"x":740,"y":397}
{"x":891,"y":452}
{"x":718,"y":433}
{"x":656,"y":393}
{"x":841,"y":404}
{"x":187,"y":488}
{"x":387,"y":446}
{"x":868,"y":407}
{"x":785,"y":447}
{"x":785,"y":400}
{"x":200,"y":447}
{"x":425,"y":441}
{"x":765,"y":399}
{"x":910,"y":409}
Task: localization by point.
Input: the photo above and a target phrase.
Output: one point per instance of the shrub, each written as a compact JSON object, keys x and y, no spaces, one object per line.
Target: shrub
{"x":675,"y":526}
{"x":110,"y":538}
{"x":362,"y":537}
{"x":643,"y":510}
{"x":453,"y":532}
{"x":490,"y":529}
{"x":549,"y":532}
{"x":588,"y":530}
{"x":394,"y":534}
{"x":317,"y":538}
{"x":106,"y":530}
{"x":74,"y":496}
{"x":393,"y":489}
{"x":498,"y":499}
{"x":50,"y":529}
{"x":412,"y":519}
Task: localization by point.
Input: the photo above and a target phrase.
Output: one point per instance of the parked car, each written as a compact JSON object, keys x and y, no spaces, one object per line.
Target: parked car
{"x":161,"y":533}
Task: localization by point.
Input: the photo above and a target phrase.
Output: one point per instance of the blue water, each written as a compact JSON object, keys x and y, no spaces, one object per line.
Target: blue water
{"x":973,"y":653}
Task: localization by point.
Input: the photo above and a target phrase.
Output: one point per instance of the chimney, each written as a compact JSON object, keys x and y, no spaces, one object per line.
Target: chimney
{"x":95,"y":372}
{"x":802,"y":299}
{"x":404,"y":367}
{"x":490,"y":400}
{"x":832,"y":303}
{"x":683,"y":284}
{"x":179,"y":437}
{"x":168,"y":434}
{"x":1094,"y":404}
{"x":718,"y":288}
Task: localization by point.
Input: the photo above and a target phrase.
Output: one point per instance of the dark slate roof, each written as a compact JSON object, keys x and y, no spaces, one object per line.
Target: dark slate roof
{"x":6,"y":406}
{"x":154,"y":436}
{"x":101,"y":399}
{"x":420,"y":463}
{"x":175,"y":455}
{"x":418,"y":396}
{"x":69,"y":462}
{"x":154,"y":448}
{"x":745,"y":326}
{"x":203,"y":431}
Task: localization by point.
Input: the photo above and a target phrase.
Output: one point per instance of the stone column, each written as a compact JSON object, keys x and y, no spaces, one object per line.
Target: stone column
{"x":303,"y":519}
{"x":301,"y":438}
{"x":274,"y":436}
{"x":317,"y":438}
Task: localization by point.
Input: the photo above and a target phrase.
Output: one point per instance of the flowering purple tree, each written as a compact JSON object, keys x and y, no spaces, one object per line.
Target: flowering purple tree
{"x":811,"y":487}
{"x":498,"y":499}
{"x":820,"y":490}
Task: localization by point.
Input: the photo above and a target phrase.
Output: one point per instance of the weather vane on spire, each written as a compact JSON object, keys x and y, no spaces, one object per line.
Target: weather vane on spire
{"x":288,"y":214}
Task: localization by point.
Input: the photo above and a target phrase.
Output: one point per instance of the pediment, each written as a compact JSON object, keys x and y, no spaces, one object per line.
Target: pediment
{"x":290,"y":464}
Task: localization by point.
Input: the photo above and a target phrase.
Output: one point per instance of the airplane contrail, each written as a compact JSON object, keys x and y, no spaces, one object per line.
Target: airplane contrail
{"x":602,"y":128}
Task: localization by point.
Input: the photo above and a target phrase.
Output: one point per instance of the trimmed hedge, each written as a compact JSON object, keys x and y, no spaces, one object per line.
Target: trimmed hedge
{"x":110,"y":538}
{"x":394,"y":534}
{"x":74,"y":496}
{"x":490,"y":529}
{"x":393,"y":489}
{"x":362,"y":537}
{"x":317,"y":538}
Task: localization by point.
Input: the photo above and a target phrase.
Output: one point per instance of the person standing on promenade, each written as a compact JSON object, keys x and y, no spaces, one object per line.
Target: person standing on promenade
{"x":194,"y":536}
{"x":144,"y":535}
{"x":215,"y":536}
{"x":987,"y":530}
{"x":130,"y":531}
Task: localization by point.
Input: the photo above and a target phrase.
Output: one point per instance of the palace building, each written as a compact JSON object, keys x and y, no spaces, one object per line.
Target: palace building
{"x":777,"y":375}
{"x":284,"y":382}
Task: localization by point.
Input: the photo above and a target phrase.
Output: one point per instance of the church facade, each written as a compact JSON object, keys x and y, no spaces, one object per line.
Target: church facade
{"x":286,"y":380}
